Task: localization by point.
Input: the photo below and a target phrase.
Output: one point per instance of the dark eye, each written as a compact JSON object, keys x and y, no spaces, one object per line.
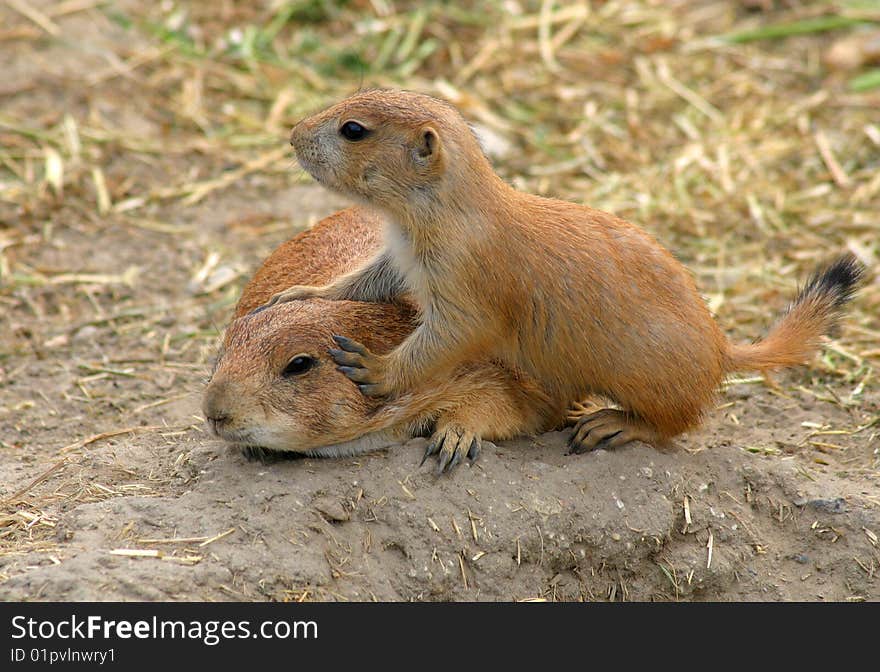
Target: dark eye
{"x":298,"y":365}
{"x":351,"y":130}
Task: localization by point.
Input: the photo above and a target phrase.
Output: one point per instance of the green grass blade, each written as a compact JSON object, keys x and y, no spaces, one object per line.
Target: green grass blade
{"x":865,"y":81}
{"x":805,"y":27}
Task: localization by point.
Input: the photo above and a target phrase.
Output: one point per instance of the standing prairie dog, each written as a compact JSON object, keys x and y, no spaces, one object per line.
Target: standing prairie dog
{"x":275,"y":387}
{"x":582,"y":301}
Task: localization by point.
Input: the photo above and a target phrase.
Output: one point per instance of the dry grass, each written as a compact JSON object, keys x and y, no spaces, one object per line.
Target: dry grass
{"x":720,"y":129}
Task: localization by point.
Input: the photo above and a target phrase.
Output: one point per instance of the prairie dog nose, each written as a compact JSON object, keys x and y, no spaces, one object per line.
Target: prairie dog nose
{"x":297,"y":133}
{"x":215,"y":404}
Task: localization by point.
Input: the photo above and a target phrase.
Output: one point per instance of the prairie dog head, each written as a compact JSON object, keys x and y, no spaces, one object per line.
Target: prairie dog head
{"x":275,"y":386}
{"x":390,"y":148}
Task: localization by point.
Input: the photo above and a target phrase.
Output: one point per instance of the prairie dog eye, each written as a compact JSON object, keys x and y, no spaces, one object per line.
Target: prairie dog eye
{"x":298,"y":366}
{"x":352,"y":130}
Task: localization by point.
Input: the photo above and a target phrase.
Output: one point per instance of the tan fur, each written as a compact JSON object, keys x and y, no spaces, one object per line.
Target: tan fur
{"x":580,"y":300}
{"x":249,"y":402}
{"x":792,"y":341}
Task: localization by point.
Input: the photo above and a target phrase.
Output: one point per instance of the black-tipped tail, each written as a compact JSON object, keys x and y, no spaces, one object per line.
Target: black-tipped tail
{"x":838,"y":281}
{"x":813,"y":314}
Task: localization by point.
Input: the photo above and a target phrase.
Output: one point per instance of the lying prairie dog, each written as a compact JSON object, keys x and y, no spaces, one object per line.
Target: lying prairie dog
{"x":276,"y":387}
{"x":580,"y":300}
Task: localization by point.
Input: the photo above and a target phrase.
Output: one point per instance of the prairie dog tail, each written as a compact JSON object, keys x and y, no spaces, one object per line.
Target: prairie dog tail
{"x":797,"y":334}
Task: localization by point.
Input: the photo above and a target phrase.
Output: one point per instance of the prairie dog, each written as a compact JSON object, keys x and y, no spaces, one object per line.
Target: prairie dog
{"x":276,"y":387}
{"x":578,"y":299}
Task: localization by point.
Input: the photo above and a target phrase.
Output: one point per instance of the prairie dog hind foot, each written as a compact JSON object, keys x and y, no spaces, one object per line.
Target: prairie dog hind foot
{"x":609,"y":428}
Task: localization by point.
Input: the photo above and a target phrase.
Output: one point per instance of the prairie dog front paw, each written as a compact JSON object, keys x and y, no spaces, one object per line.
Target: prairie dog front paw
{"x":295,"y":293}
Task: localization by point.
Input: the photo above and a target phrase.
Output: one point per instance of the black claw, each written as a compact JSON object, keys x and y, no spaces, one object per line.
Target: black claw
{"x":456,"y":458}
{"x":349,"y":345}
{"x":356,"y":375}
{"x":475,"y":449}
{"x":574,"y":447}
{"x":606,"y":439}
{"x":578,"y":436}
{"x":444,"y":462}
{"x":259,"y":309}
{"x":430,"y":450}
{"x":345,"y":358}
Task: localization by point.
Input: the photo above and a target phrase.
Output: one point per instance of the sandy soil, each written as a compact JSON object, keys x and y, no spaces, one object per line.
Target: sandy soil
{"x":103,"y":450}
{"x":708,"y":521}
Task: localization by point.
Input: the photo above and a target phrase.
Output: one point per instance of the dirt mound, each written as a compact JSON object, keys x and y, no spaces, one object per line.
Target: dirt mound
{"x":524,"y":522}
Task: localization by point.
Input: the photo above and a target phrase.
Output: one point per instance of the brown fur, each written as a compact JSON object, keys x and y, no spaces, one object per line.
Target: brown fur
{"x":582,"y":301}
{"x":333,"y":246}
{"x":249,"y":402}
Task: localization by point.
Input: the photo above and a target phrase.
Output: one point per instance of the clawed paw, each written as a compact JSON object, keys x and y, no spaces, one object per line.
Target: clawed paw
{"x":580,"y":409}
{"x":452,"y":445}
{"x":290,"y":294}
{"x":361,"y":366}
{"x":607,"y":428}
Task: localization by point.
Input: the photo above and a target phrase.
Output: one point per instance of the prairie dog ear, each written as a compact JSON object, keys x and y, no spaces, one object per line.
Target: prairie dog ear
{"x":427,"y":146}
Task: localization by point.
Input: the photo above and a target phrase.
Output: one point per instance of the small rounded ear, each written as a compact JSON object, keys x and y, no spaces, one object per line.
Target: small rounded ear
{"x":427,"y":147}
